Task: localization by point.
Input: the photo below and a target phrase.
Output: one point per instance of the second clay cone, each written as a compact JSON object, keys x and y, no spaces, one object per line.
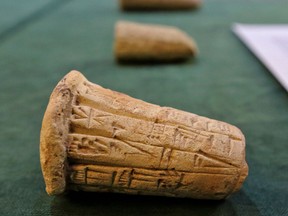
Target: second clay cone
{"x":135,"y":42}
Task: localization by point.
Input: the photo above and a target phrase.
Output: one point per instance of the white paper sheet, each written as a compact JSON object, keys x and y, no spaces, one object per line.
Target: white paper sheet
{"x":270,"y":44}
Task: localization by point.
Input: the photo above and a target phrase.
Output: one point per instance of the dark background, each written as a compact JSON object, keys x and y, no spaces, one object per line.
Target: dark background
{"x":42,"y":40}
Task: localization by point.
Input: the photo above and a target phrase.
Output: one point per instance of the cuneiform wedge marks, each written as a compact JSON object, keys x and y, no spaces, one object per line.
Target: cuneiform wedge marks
{"x":85,"y":174}
{"x":219,"y":147}
{"x":117,"y":128}
{"x":104,"y":145}
{"x":207,"y":128}
{"x":197,"y":161}
{"x":164,"y":180}
{"x":123,"y":177}
{"x":179,"y":184}
{"x":93,"y":175}
{"x":186,"y":139}
{"x":97,"y":148}
{"x":204,"y":161}
{"x":120,"y":153}
{"x":110,"y":151}
{"x":113,"y":178}
{"x":197,"y":124}
{"x":190,"y":132}
{"x":138,"y":178}
{"x":89,"y":117}
{"x":87,"y":145}
{"x":141,"y":148}
{"x":165,"y":158}
{"x":221,"y":128}
{"x":222,"y":143}
{"x":189,"y":140}
{"x":130,"y":178}
{"x":89,"y":100}
{"x":84,"y":116}
{"x":80,"y":112}
{"x":208,"y":160}
{"x":183,"y":139}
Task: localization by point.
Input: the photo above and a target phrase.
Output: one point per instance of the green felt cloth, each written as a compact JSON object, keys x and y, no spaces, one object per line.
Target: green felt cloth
{"x":40,"y":41}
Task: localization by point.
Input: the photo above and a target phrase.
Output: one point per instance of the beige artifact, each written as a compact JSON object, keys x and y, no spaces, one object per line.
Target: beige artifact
{"x":159,"y":4}
{"x":140,"y":42}
{"x":96,"y":139}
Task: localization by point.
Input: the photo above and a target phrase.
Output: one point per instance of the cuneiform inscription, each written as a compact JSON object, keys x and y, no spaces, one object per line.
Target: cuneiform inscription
{"x":120,"y":104}
{"x":90,"y":121}
{"x":102,"y":150}
{"x":81,"y":143}
{"x":88,"y":144}
{"x":99,"y":149}
{"x":146,"y":179}
{"x":126,"y":177}
{"x":101,"y":140}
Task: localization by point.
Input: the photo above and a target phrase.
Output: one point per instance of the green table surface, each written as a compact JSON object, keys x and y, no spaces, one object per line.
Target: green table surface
{"x":40,"y":41}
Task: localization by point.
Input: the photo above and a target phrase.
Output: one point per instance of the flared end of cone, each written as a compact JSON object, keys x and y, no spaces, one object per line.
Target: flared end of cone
{"x":242,"y":177}
{"x":54,"y":133}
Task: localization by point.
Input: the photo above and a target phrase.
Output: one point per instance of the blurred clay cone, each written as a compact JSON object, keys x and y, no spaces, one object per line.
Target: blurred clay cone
{"x":142,"y":42}
{"x":159,"y":4}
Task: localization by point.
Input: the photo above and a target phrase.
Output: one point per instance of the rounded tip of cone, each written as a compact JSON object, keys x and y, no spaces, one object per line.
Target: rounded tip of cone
{"x":242,"y":177}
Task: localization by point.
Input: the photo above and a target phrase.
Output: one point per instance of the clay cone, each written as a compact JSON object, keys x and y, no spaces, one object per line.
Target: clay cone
{"x":95,"y":139}
{"x":159,"y":4}
{"x":140,"y":42}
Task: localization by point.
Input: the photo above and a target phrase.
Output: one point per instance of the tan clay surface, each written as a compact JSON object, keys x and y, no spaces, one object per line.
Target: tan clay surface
{"x":141,"y":42}
{"x":159,"y":4}
{"x":96,"y":139}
